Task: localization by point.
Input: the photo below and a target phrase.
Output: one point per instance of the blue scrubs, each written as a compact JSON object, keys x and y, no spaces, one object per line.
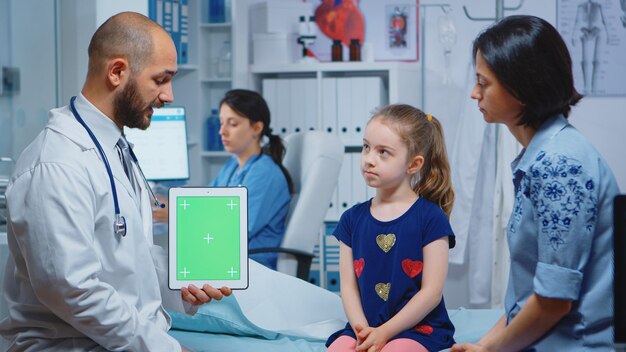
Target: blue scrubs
{"x":560,"y":236}
{"x":268,"y":201}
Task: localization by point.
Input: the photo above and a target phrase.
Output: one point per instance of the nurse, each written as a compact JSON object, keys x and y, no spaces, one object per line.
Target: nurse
{"x":244,"y":122}
{"x":559,"y":296}
{"x":83,"y":273}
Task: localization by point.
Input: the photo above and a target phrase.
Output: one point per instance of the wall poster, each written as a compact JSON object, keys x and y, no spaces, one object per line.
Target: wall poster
{"x":595,"y":33}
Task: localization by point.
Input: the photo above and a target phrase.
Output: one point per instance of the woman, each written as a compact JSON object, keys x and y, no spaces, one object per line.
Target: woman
{"x":560,"y":238}
{"x":244,"y":121}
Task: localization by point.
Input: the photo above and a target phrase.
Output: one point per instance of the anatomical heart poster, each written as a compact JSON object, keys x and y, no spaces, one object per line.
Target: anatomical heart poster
{"x":387,"y":27}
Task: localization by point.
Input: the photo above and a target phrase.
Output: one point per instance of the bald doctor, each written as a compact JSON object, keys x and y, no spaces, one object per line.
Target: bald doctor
{"x":83,"y":273}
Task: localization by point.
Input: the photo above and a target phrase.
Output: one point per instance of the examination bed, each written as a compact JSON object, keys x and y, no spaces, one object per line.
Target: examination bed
{"x":277,"y":313}
{"x":281,"y":313}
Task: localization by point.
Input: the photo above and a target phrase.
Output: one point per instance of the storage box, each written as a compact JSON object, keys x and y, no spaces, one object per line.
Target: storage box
{"x":275,"y":48}
{"x":278,"y":16}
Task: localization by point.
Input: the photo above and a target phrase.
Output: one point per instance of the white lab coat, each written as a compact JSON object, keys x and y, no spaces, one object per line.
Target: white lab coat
{"x":71,"y":283}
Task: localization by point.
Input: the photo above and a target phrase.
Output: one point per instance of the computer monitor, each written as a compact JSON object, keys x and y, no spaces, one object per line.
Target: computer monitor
{"x":619,"y":239}
{"x":161,"y":149}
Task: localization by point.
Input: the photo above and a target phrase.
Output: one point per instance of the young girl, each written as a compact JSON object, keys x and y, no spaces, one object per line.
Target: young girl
{"x":394,"y":248}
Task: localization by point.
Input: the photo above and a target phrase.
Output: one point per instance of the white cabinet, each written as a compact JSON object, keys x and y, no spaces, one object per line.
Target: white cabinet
{"x":338,"y":98}
{"x":200,"y":85}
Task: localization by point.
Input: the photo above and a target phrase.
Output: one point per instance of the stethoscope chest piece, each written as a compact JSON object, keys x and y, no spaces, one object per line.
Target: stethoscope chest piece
{"x":119,"y":225}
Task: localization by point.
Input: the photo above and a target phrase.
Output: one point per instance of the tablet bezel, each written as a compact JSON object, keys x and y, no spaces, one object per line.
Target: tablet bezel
{"x":242,"y":193}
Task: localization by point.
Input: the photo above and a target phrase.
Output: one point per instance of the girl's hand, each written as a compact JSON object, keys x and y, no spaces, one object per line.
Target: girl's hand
{"x":357,"y":331}
{"x":468,"y":347}
{"x":371,"y":339}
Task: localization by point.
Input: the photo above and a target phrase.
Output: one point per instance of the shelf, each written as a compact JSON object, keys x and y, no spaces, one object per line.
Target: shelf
{"x":215,"y":25}
{"x":216,"y":80}
{"x":346,"y":66}
{"x":215,"y":154}
{"x":187,"y":68}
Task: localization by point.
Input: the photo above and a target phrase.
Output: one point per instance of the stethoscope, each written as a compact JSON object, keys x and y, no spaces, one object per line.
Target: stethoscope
{"x":242,"y":175}
{"x":119,"y":222}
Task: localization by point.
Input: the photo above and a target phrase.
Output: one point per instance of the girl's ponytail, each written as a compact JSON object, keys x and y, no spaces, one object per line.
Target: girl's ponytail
{"x":435,"y":183}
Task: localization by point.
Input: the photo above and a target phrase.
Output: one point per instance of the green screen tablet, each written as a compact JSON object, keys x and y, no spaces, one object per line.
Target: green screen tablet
{"x":208,"y":237}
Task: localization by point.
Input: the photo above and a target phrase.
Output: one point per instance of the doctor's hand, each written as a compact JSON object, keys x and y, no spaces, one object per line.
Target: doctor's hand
{"x":197,"y":296}
{"x":160,"y":214}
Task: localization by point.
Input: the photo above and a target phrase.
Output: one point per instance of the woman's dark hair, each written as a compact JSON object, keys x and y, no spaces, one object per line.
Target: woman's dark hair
{"x":531,"y":61}
{"x":252,"y":106}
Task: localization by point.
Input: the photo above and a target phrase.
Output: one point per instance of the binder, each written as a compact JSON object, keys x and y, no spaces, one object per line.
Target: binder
{"x":375,"y":95}
{"x":359,"y":110}
{"x":283,"y":107}
{"x":159,"y":12}
{"x":167,"y":15}
{"x":315,"y":273}
{"x":333,"y":213}
{"x":344,"y":188}
{"x":183,"y":55}
{"x":175,"y":32}
{"x":329,"y":105}
{"x":331,"y":263}
{"x":297,"y":104}
{"x":268,"y":90}
{"x":310,"y":105}
{"x":344,"y":108}
{"x":152,"y":10}
{"x":359,"y":187}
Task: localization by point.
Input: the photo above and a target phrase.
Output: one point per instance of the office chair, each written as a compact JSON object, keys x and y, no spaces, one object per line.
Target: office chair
{"x":313,"y":160}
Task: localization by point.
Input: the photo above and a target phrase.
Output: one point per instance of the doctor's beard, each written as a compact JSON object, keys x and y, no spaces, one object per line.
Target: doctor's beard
{"x":129,"y":109}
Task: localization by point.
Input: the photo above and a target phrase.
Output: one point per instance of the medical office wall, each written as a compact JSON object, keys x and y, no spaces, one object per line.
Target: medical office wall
{"x":29,"y":53}
{"x":44,"y":43}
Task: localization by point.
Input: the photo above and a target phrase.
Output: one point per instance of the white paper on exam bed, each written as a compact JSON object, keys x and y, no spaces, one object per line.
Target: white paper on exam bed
{"x":278,"y":306}
{"x":274,"y":304}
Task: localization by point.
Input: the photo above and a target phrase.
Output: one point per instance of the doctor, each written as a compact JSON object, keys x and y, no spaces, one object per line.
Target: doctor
{"x":83,"y":272}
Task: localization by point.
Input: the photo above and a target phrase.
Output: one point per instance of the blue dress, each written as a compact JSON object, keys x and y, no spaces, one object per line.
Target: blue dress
{"x":388,"y":261}
{"x":268,"y":202}
{"x":561,"y":238}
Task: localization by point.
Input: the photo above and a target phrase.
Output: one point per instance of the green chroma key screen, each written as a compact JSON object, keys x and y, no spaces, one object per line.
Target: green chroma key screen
{"x":207,"y":246}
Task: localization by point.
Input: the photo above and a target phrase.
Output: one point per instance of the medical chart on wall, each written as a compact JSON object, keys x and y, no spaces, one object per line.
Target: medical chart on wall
{"x":595,"y":33}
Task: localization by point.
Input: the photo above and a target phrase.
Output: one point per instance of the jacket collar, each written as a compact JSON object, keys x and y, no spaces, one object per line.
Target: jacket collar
{"x":546,"y":132}
{"x":105,"y":130}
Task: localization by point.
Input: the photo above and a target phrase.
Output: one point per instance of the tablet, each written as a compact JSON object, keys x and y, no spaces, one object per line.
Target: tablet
{"x":208,"y":237}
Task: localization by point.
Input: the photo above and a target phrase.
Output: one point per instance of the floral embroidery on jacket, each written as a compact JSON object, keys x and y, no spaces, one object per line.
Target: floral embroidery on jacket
{"x":560,"y":192}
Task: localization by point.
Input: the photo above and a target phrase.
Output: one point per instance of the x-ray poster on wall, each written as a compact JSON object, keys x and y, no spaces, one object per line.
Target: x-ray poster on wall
{"x":595,"y":33}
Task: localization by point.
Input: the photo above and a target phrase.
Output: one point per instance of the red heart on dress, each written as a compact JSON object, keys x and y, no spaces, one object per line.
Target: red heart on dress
{"x":425,"y":329}
{"x":358,"y":266}
{"x":412,"y":267}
